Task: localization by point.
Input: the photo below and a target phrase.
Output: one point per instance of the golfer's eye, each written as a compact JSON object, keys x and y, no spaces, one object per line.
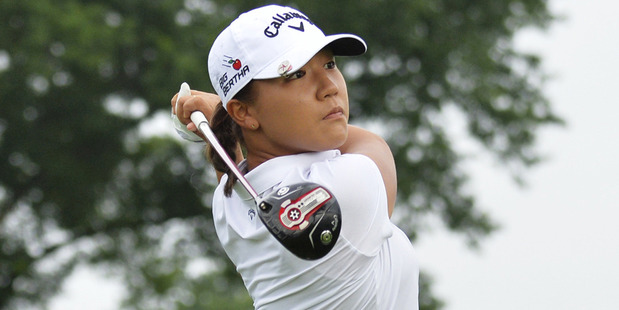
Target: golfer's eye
{"x":330,"y":65}
{"x":297,"y":75}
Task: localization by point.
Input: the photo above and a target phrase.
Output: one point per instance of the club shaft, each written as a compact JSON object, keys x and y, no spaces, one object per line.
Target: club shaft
{"x":201,"y":122}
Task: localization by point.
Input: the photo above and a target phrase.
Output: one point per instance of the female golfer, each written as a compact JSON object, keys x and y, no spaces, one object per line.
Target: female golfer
{"x":282,"y":99}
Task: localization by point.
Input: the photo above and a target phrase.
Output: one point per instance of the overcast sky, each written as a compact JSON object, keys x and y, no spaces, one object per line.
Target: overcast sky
{"x":559,"y":243}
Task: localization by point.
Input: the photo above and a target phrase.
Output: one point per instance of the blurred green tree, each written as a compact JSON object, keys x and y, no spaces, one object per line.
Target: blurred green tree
{"x":86,"y":179}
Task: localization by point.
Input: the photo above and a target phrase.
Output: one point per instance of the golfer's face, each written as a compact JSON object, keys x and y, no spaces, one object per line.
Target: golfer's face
{"x":307,"y":111}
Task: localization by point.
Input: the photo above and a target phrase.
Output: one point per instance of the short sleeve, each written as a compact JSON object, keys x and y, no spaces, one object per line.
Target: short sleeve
{"x":357,"y":184}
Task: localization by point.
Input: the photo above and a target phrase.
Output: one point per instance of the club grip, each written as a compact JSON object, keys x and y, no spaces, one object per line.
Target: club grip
{"x":198,"y":118}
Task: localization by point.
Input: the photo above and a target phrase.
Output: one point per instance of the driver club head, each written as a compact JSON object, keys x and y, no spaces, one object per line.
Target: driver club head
{"x":304,"y":217}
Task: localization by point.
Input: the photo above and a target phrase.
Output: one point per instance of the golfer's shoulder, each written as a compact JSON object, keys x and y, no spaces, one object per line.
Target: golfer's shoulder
{"x":355,"y":166}
{"x":357,"y":161}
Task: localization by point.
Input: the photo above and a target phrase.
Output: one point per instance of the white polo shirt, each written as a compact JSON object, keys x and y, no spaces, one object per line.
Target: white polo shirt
{"x":372,"y":265}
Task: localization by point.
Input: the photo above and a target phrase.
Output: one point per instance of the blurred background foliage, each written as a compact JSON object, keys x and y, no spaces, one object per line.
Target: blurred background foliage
{"x":89,"y":177}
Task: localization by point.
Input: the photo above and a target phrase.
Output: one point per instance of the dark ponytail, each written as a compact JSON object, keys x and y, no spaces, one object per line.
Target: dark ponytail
{"x":230,"y":137}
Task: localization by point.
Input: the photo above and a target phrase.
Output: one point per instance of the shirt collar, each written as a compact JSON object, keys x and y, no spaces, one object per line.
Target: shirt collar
{"x":270,"y":173}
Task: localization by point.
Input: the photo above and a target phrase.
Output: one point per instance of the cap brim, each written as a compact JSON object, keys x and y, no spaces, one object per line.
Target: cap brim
{"x":346,"y":45}
{"x":340,"y":44}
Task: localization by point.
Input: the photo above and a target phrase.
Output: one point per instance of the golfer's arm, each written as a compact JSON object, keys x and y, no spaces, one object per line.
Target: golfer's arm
{"x":361,"y":141}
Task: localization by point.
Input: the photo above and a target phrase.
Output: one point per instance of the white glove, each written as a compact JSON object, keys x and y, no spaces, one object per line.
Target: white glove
{"x":181,"y":128}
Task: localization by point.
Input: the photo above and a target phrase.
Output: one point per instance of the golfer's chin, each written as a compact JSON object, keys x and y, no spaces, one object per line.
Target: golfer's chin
{"x":335,"y":138}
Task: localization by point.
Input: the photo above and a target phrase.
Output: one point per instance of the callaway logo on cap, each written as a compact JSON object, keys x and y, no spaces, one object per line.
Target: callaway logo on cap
{"x":269,"y":42}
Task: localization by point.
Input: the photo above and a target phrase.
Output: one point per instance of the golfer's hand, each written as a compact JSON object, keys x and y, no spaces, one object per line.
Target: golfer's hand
{"x":198,"y":101}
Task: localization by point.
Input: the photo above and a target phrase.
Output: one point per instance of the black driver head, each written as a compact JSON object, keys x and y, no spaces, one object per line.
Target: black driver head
{"x":304,"y":217}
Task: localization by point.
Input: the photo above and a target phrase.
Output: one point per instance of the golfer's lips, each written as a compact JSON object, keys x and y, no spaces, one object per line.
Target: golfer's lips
{"x":336,"y":112}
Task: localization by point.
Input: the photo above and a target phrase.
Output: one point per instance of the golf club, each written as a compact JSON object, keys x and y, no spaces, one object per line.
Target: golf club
{"x":304,"y":217}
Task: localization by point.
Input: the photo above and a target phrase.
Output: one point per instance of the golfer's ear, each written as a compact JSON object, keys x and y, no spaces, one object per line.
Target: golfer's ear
{"x":241,"y":114}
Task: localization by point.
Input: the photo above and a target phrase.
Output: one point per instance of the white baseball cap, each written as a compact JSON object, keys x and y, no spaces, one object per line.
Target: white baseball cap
{"x":269,"y":42}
